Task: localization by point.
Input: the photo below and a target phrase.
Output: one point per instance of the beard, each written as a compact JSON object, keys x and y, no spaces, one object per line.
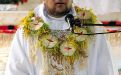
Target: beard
{"x":58,"y":10}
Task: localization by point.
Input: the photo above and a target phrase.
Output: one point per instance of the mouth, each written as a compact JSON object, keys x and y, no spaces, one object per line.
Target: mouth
{"x":59,"y":3}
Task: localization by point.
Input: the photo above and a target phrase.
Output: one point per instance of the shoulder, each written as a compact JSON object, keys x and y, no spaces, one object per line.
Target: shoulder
{"x":33,"y":25}
{"x":85,"y":14}
{"x":79,"y":9}
{"x":19,"y":35}
{"x":38,"y":9}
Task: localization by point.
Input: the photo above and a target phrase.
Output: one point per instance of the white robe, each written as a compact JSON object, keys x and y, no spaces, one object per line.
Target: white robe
{"x":99,"y":60}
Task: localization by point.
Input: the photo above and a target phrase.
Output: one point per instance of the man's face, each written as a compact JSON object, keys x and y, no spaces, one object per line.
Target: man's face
{"x":58,"y":8}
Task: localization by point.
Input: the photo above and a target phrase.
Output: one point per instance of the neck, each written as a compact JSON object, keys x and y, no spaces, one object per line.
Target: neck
{"x":58,"y":15}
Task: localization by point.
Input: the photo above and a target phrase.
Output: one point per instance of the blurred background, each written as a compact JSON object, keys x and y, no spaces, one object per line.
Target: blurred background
{"x":12,"y":11}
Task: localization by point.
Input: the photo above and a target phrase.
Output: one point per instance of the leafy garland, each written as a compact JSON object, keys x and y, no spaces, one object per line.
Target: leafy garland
{"x":72,"y":47}
{"x":34,"y":26}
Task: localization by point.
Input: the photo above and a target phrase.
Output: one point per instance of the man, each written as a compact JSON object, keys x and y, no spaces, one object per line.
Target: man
{"x":55,"y":50}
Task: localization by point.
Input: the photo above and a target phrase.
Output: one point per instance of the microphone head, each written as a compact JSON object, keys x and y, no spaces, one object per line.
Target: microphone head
{"x":69,"y":17}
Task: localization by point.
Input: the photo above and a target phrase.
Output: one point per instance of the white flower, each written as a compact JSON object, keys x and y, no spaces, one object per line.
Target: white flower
{"x":36,"y":27}
{"x":35,"y":24}
{"x":85,"y":14}
{"x":49,"y":41}
{"x":67,"y":49}
{"x":33,"y":19}
{"x":80,"y":37}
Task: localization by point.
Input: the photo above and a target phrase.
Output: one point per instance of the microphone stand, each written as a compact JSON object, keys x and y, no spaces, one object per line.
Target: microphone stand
{"x":71,"y":22}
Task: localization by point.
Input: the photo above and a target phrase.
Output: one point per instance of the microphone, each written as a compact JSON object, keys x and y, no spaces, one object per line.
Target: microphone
{"x":77,"y":22}
{"x":70,"y":19}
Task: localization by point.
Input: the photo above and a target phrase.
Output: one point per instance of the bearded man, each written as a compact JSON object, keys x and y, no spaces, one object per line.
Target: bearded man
{"x":46,"y":44}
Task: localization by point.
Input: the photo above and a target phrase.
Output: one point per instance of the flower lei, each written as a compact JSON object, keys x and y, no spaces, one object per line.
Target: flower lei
{"x":72,"y":47}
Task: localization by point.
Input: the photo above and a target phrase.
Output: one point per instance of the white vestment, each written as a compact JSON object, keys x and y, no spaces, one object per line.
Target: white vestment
{"x":99,"y":60}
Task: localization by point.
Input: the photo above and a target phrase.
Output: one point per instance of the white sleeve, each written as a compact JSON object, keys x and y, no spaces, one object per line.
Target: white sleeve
{"x":18,"y":63}
{"x":104,"y":64}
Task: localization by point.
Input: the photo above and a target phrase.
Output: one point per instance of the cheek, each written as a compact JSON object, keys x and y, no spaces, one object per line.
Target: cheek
{"x":51,"y":4}
{"x":69,"y":4}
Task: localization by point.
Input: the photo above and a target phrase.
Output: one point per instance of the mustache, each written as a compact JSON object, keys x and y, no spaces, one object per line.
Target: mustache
{"x":59,"y":2}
